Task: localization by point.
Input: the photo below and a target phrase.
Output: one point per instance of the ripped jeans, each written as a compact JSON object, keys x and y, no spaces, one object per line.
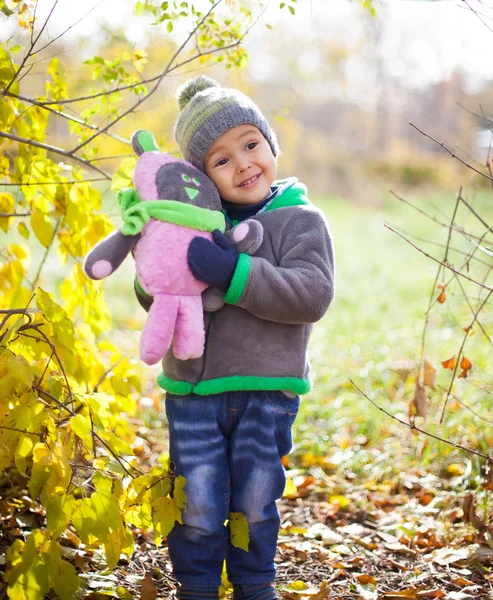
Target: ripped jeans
{"x":229,"y":447}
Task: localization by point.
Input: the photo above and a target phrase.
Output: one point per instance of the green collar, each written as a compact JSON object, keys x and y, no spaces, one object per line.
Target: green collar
{"x":291,"y":193}
{"x":171,"y":211}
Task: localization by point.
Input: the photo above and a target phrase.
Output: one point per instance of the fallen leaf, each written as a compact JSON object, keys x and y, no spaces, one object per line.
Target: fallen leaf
{"x":364,"y":579}
{"x":462,"y":581}
{"x":148,"y":590}
{"x":436,"y":593}
{"x":470,"y":515}
{"x":400,"y":548}
{"x":323,"y":593}
{"x":449,"y":555}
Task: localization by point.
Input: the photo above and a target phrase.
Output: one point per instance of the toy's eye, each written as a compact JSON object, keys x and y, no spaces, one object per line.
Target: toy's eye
{"x":186,"y":178}
{"x":196,"y":180}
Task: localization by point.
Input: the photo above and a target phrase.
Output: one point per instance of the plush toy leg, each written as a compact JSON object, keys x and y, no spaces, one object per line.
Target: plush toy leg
{"x":189,"y":337}
{"x":158,"y":331}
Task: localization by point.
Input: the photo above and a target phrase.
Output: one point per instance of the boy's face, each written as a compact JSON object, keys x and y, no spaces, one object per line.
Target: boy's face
{"x":242,"y":165}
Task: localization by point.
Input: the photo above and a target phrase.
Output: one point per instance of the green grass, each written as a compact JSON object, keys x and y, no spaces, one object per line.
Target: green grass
{"x":383,"y":286}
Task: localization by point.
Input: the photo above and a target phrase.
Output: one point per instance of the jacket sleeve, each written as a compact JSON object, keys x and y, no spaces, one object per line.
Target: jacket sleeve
{"x":301,"y":287}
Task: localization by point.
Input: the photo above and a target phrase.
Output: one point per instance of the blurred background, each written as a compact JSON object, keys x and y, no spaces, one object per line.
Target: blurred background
{"x":340,"y":82}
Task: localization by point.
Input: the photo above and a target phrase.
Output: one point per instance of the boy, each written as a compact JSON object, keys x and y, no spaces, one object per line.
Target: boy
{"x":230,"y":412}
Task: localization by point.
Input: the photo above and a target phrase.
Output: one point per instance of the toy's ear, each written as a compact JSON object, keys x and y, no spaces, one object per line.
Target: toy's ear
{"x":143,"y":141}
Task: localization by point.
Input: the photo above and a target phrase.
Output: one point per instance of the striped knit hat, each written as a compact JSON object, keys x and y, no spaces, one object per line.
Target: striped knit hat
{"x":209,"y":110}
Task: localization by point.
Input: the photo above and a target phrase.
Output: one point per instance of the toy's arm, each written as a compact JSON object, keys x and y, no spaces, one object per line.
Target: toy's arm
{"x":245,"y":237}
{"x":108,"y":255}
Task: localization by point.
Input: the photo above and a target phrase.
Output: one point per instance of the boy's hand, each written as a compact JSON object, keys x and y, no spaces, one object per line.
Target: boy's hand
{"x":213,"y":263}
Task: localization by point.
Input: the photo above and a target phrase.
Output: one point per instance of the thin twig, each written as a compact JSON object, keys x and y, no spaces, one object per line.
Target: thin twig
{"x":451,"y":153}
{"x":82,"y":161}
{"x":412,"y":426}
{"x":459,"y":355}
{"x":158,"y":82}
{"x":448,"y":266}
{"x":64,"y":115}
{"x":29,"y":52}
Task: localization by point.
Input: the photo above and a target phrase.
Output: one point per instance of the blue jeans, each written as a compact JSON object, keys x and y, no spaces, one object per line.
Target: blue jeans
{"x":229,"y":447}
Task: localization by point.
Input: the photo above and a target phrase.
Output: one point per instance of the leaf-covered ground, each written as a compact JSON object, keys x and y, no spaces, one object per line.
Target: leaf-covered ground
{"x":410,"y":536}
{"x":372,"y":510}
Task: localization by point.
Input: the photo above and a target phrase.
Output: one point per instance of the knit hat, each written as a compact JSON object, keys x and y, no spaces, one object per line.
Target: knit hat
{"x":209,"y":110}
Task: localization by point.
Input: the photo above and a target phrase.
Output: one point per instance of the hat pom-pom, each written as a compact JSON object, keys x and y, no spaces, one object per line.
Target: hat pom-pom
{"x":192,"y":87}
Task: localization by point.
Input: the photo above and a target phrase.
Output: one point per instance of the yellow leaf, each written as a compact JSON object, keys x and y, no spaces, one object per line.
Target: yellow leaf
{"x":164,"y":515}
{"x":41,"y":469}
{"x":298,"y":585}
{"x":81,"y":425}
{"x":63,"y":329}
{"x":59,"y":511}
{"x":290,"y":489}
{"x":342,"y":501}
{"x":5,"y":456}
{"x":42,"y":227}
{"x":7,"y":205}
{"x":123,"y":176}
{"x":23,"y":230}
{"x":179,"y":493}
{"x":23,"y":450}
{"x":238,"y":530}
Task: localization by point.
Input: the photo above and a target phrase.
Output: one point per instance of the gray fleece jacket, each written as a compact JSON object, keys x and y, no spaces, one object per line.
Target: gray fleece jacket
{"x":258,"y":340}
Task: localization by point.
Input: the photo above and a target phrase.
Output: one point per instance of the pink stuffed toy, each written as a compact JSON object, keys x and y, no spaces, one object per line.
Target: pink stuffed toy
{"x":172,"y":203}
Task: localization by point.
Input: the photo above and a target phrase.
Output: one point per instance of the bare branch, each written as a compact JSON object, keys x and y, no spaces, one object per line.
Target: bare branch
{"x":460,"y":353}
{"x":452,"y":154}
{"x":64,"y":115}
{"x":56,"y":150}
{"x":448,"y":266}
{"x":158,"y":82}
{"x":36,"y":183}
{"x":30,"y":51}
{"x":413,"y":427}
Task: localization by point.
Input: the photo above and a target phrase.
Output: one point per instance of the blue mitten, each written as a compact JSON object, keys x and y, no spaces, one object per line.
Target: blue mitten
{"x":213,"y":263}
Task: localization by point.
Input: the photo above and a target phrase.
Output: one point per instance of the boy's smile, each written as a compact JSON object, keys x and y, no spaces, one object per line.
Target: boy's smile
{"x":242,"y":165}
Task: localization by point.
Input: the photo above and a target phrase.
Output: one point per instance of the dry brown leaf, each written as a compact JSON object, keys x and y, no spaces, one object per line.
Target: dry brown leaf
{"x":470,"y":515}
{"x":465,"y":365}
{"x":420,"y":400}
{"x":430,"y":372}
{"x":148,"y":590}
{"x":365,"y":579}
{"x":323,"y":593}
{"x":449,"y":363}
{"x":461,"y":581}
{"x":436,"y":593}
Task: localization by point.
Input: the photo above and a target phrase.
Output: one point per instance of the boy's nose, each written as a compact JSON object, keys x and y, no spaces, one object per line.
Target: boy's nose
{"x":244,"y":166}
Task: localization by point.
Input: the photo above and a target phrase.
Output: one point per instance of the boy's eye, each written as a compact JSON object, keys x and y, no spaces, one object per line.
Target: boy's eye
{"x":251,"y":145}
{"x":196,"y":180}
{"x":186,"y":178}
{"x":222,"y":162}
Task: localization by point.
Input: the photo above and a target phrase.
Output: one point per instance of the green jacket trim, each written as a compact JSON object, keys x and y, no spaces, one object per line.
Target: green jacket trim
{"x":171,"y":211}
{"x":141,"y":291}
{"x":234,"y":383}
{"x":293,"y":194}
{"x":240,"y":277}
